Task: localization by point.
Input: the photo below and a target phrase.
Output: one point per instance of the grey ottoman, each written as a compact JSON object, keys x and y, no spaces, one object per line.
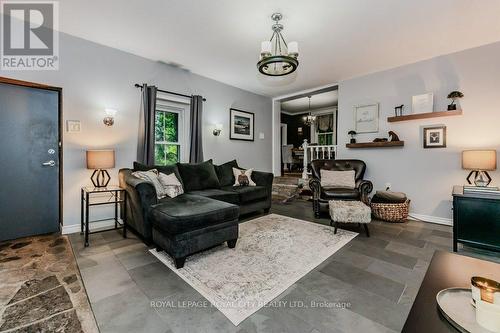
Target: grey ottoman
{"x":350,"y":212}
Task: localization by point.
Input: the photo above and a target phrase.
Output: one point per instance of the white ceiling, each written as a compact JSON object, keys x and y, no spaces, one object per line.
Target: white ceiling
{"x":338,"y":39}
{"x":318,"y":101}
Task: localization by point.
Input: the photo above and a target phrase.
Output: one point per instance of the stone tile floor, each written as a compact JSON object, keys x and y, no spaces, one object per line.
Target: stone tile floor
{"x":40,"y":287}
{"x":367,"y":286}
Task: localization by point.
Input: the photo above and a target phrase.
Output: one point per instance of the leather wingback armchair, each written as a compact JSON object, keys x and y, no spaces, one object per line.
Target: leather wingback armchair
{"x":321,"y":195}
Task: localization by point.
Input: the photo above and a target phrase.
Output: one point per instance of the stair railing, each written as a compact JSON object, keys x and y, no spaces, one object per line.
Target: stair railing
{"x":314,"y":152}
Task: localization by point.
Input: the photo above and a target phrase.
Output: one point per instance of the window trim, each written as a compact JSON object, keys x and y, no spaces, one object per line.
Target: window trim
{"x":182,"y":109}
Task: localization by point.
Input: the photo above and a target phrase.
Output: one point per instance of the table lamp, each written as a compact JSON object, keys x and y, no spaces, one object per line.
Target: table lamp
{"x":99,"y":161}
{"x":479,"y":162}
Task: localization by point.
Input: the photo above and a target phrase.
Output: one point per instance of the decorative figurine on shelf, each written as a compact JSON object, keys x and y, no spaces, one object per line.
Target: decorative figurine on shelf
{"x":454,"y":96}
{"x":352,"y":134}
{"x":380,"y":140}
{"x":398,"y":110}
{"x":393,"y":136}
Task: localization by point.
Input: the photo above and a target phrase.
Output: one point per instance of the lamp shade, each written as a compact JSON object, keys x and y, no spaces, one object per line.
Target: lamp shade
{"x":483,"y":160}
{"x":100,"y":159}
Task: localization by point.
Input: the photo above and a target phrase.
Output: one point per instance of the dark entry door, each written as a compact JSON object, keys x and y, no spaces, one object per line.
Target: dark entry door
{"x":29,"y":160}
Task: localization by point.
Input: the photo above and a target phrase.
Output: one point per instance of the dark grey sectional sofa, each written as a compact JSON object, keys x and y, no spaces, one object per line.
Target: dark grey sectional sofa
{"x":204,"y":216}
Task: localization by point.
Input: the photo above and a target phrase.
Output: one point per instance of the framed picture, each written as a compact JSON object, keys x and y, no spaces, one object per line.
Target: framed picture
{"x":435,"y":137}
{"x":422,"y":103}
{"x":366,"y":118}
{"x":242,"y":125}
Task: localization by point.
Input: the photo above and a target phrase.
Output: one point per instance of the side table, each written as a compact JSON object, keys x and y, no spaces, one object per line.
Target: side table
{"x":110,"y":195}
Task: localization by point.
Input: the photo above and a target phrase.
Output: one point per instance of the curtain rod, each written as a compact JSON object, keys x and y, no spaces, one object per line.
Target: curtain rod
{"x":137,"y":85}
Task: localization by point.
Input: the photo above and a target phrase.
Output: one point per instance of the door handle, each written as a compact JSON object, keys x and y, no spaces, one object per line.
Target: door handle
{"x":50,"y":163}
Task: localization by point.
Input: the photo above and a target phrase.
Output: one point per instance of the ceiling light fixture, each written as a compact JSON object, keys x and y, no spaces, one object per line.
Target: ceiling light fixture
{"x":277,"y":58}
{"x":309,"y":119}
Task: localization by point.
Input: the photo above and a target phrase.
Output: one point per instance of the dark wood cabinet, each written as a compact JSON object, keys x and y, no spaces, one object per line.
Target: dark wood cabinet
{"x":476,"y":219}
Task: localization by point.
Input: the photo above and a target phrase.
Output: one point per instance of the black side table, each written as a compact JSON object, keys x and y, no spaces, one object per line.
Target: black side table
{"x":110,"y":195}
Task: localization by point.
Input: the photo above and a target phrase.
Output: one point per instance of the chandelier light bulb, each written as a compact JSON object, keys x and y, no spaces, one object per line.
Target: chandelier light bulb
{"x":293,"y":49}
{"x":265,"y":48}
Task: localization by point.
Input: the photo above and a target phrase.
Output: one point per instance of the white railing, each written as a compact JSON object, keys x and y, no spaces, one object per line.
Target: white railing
{"x":325,"y":152}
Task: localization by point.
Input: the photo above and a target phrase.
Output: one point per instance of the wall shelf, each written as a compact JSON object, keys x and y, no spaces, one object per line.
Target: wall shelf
{"x":425,"y":115}
{"x":376,"y":144}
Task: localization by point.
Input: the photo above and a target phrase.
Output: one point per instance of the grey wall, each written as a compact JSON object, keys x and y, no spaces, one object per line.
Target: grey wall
{"x":427,"y":175}
{"x":94,"y":77}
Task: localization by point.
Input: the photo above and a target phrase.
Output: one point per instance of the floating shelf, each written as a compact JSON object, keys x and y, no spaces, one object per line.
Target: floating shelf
{"x":425,"y":115}
{"x":376,"y":144}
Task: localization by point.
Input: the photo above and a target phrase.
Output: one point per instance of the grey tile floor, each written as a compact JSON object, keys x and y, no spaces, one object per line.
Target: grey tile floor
{"x":372,"y":282}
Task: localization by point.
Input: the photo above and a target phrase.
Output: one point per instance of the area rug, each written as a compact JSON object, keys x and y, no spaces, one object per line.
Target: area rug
{"x":273,"y":252}
{"x":41,"y":288}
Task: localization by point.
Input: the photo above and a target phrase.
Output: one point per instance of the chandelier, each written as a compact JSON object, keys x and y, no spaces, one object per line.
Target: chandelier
{"x":278,"y":58}
{"x":309,"y":120}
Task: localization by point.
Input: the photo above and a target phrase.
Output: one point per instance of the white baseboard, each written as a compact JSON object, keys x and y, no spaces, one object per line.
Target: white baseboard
{"x":431,"y":219}
{"x":74,"y":228}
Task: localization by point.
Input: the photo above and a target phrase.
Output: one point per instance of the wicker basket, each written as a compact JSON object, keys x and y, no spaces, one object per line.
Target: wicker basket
{"x":391,"y":212}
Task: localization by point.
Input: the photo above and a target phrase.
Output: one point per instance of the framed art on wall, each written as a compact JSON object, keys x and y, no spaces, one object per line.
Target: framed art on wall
{"x":422,"y":103}
{"x":242,"y":125}
{"x":366,"y":118}
{"x":435,"y":137}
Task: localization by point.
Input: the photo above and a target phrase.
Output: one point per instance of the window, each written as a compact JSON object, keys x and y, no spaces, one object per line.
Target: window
{"x":169,"y":133}
{"x":325,"y":139}
{"x":325,"y":129}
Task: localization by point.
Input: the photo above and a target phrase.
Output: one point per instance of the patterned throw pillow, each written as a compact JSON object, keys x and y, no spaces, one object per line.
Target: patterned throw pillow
{"x":243,"y":177}
{"x":338,"y":178}
{"x":171,"y":184}
{"x":152,"y":177}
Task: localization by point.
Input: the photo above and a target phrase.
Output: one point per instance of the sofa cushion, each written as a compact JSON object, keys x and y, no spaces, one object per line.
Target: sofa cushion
{"x":188,"y":212}
{"x":339,"y":193}
{"x":225,"y":172}
{"x":198,"y":176}
{"x":248,"y":193}
{"x":219,"y":194}
{"x":166,"y":169}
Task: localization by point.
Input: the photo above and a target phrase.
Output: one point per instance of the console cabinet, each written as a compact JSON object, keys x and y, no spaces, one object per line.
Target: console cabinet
{"x":476,"y":219}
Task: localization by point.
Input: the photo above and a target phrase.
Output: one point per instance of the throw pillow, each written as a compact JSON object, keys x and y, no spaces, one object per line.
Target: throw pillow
{"x":152,"y":177}
{"x":171,"y":184}
{"x":166,"y":169}
{"x":225,"y":173}
{"x":338,"y":178}
{"x":198,"y":176}
{"x":243,"y":177}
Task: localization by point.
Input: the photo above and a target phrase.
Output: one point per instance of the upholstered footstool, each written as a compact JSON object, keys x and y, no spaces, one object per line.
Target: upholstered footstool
{"x":191,"y":223}
{"x":350,"y":212}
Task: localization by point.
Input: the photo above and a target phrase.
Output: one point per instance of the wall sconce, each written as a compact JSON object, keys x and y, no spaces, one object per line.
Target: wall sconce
{"x":217,"y":129}
{"x":109,"y":120}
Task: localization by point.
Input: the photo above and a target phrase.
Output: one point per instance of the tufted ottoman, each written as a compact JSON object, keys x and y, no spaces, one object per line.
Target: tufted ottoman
{"x":350,"y":212}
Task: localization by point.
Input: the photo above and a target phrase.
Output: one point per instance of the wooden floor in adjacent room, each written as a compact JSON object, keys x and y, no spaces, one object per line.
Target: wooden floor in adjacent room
{"x":375,"y":279}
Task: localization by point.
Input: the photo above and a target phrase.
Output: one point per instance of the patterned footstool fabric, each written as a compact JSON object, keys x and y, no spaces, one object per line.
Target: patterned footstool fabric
{"x":349,"y":212}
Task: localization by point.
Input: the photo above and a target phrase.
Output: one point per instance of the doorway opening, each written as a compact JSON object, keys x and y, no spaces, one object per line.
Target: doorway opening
{"x":308,"y":130}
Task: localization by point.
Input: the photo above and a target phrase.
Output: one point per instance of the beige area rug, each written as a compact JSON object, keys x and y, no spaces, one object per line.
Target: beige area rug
{"x":273,"y":252}
{"x":41,"y":288}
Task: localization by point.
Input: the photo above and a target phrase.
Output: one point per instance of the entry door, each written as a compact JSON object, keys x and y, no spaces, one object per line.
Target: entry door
{"x":29,"y":161}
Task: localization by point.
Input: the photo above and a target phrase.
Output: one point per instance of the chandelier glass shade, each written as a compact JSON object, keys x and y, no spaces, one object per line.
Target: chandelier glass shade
{"x":277,"y":58}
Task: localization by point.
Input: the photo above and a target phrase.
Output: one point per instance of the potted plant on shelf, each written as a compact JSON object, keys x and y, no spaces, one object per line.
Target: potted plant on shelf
{"x":454,"y":96}
{"x":352,"y":134}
